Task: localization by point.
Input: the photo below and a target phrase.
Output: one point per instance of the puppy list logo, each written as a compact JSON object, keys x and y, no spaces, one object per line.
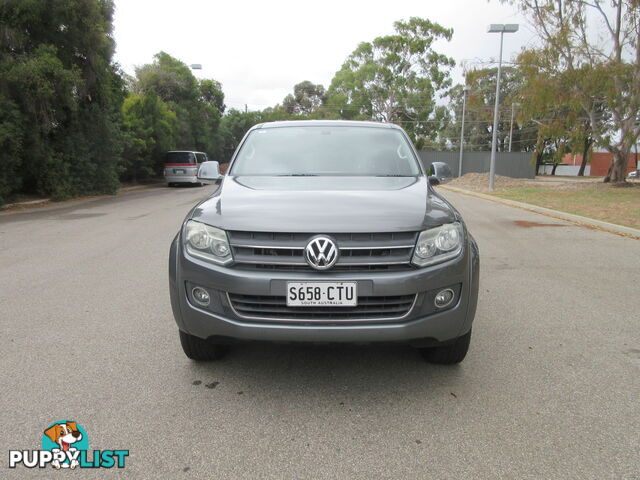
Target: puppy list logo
{"x":65,"y":444}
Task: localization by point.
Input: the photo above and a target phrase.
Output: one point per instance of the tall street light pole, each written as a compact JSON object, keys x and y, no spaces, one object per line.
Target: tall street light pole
{"x":464,"y":108}
{"x":501,"y":29}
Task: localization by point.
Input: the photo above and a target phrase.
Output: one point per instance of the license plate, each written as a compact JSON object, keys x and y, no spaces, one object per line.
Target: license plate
{"x":176,"y":171}
{"x":322,"y":294}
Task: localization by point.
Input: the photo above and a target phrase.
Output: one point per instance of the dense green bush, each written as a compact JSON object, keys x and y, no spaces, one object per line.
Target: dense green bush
{"x":60,"y":96}
{"x":150,"y":129}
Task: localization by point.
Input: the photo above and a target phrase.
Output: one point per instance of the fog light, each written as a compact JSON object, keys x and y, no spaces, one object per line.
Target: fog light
{"x":444,"y":298}
{"x":201,"y":296}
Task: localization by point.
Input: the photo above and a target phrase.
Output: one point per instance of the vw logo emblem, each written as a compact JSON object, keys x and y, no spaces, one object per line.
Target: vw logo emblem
{"x":321,"y":253}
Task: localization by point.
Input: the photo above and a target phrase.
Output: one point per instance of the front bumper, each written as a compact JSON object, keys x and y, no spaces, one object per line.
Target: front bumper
{"x":421,"y":326}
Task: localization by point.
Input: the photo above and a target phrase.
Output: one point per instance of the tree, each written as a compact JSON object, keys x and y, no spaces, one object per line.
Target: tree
{"x":198,"y":105}
{"x":12,"y":130}
{"x":233,"y":127}
{"x":597,"y":46}
{"x":551,"y":102}
{"x":63,"y":95}
{"x":150,"y":131}
{"x":481,"y":84}
{"x":211,"y":94}
{"x":307,"y":98}
{"x":37,"y":92}
{"x":396,"y":78}
{"x":170,"y":78}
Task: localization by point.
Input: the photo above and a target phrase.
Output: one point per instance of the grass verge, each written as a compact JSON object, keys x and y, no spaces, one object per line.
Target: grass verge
{"x":617,"y":205}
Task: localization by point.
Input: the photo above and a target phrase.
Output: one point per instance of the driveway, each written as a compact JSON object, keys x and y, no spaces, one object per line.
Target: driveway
{"x":550,"y":388}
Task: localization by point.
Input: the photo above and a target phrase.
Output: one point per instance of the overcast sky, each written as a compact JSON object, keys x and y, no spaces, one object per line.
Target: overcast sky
{"x":260,"y":50}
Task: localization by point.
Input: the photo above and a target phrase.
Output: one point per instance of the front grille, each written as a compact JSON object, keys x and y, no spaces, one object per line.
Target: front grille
{"x":275,"y":308}
{"x":358,"y":251}
{"x":336,"y":269}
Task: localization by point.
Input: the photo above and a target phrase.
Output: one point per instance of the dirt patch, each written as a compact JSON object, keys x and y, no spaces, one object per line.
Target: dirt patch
{"x":526,"y":224}
{"x":46,"y":202}
{"x":479,"y":182}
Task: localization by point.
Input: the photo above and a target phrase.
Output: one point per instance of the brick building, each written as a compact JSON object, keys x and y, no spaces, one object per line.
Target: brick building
{"x":599,"y":162}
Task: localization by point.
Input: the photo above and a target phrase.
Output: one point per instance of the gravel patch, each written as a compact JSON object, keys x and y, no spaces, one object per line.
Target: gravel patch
{"x":479,"y":182}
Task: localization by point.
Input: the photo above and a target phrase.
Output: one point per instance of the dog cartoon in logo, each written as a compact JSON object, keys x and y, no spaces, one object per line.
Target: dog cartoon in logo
{"x":65,"y":435}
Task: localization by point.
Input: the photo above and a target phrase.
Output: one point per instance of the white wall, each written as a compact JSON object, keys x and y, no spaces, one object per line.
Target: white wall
{"x":569,"y":170}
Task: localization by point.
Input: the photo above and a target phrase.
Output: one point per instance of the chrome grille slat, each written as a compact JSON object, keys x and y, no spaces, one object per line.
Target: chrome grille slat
{"x":336,"y":269}
{"x":275,"y":308}
{"x":373,"y":260}
{"x":273,"y":247}
{"x":275,"y":300}
{"x":358,"y":251}
{"x":261,"y":309}
{"x":385,"y":247}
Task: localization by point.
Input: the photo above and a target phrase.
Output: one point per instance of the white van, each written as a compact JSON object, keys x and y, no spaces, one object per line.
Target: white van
{"x":181,"y":166}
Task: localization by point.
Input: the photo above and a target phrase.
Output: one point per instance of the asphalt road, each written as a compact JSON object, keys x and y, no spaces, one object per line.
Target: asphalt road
{"x":550,"y":388}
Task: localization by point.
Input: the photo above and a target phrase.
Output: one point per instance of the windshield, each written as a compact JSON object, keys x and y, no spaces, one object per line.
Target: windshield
{"x":326,"y":150}
{"x":440,"y":169}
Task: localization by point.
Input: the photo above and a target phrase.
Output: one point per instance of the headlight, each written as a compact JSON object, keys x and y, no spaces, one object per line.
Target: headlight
{"x":207,"y":242}
{"x":438,"y":244}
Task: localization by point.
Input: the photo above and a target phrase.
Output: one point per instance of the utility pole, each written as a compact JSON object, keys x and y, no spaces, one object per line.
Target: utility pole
{"x":513,"y":105}
{"x":464,"y":108}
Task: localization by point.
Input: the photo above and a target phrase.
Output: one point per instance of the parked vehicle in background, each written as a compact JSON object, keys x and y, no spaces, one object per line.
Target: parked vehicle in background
{"x":324,"y":231}
{"x":634,"y":174}
{"x":441,"y":172}
{"x":181,"y":166}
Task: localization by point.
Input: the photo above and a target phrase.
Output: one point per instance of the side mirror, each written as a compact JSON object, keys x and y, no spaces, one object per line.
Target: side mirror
{"x":433,"y":180}
{"x":210,"y":172}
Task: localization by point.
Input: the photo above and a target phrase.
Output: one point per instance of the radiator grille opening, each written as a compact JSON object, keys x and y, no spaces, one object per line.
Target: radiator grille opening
{"x":358,"y":251}
{"x":275,"y":308}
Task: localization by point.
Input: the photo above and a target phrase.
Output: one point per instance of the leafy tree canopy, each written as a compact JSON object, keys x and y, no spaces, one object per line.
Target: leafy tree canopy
{"x":233,"y":127}
{"x":480,"y":99}
{"x":593,"y":48}
{"x":197,"y":104}
{"x":397,"y":78}
{"x":62,"y":95}
{"x":307,"y":98}
{"x":150,"y":131}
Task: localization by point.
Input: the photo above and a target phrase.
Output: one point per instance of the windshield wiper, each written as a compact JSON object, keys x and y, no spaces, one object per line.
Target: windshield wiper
{"x":298,"y":175}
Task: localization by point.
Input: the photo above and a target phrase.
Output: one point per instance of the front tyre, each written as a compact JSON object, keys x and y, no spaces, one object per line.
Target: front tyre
{"x":201,"y":350}
{"x":448,"y":354}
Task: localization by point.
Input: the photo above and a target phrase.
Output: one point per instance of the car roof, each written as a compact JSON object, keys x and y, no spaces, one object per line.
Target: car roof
{"x":325,"y":123}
